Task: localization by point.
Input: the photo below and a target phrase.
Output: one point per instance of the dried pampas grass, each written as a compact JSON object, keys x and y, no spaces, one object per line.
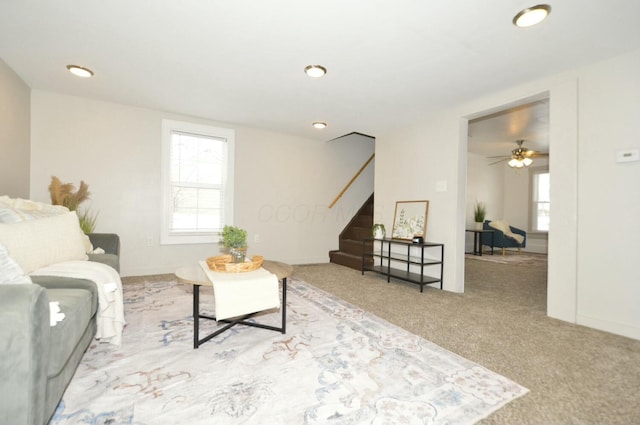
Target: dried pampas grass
{"x":64,"y":194}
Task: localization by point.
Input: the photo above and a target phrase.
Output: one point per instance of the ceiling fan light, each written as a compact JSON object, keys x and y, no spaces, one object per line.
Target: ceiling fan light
{"x":531,"y":16}
{"x":527,"y":161}
{"x":513,"y":162}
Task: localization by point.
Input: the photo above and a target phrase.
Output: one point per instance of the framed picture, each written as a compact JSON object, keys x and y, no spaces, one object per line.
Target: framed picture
{"x":410,"y":219}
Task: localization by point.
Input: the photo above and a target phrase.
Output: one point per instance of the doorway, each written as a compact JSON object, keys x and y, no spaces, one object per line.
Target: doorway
{"x":510,"y":191}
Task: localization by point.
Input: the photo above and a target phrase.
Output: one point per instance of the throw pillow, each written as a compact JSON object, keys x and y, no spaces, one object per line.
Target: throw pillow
{"x":10,"y":271}
{"x":38,"y":243}
{"x":14,"y":210}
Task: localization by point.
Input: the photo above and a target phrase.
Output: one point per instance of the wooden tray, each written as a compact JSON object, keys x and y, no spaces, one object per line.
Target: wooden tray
{"x":222,"y":263}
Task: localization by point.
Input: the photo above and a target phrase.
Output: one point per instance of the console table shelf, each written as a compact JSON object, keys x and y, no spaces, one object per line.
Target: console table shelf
{"x":404,"y":260}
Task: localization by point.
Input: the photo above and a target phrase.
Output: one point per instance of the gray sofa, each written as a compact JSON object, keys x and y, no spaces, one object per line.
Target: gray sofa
{"x":37,"y":361}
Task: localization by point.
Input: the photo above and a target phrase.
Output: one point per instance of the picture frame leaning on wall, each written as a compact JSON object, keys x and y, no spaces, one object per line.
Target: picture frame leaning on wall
{"x":410,"y":220}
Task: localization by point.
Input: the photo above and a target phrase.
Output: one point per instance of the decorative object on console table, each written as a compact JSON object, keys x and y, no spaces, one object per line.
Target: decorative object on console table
{"x":410,"y":220}
{"x":235,"y":239}
{"x":378,"y":231}
{"x":479,"y":213}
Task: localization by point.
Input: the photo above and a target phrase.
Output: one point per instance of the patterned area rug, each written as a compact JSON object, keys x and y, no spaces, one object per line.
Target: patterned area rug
{"x":336,"y":364}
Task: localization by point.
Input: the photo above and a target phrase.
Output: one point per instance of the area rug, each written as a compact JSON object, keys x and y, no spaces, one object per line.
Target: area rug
{"x":510,"y":258}
{"x":337,"y":364}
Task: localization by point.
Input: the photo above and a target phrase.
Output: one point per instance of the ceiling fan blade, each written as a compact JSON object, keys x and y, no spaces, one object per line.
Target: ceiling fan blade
{"x":497,"y":162}
{"x":499,"y":156}
{"x":538,"y":154}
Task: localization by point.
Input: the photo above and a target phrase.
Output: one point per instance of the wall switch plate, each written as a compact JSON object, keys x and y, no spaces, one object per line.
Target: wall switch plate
{"x":441,"y":186}
{"x":628,"y":155}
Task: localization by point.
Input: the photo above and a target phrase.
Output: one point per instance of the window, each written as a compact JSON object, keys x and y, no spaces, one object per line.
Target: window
{"x":541,"y":201}
{"x":197,"y":182}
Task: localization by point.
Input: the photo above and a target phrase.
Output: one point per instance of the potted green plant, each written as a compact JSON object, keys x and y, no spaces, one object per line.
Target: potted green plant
{"x":235,"y":239}
{"x":378,"y":231}
{"x":479,"y":213}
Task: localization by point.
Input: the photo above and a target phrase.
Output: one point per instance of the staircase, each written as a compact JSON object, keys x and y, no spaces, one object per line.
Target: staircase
{"x":349,"y":252}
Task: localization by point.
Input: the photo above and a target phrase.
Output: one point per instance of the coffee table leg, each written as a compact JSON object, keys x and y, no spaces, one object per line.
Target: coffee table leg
{"x":284,"y":305}
{"x":196,"y":315}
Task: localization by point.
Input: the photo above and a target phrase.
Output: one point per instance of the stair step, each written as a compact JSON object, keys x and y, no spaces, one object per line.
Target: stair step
{"x":348,"y":260}
{"x":357,"y":233}
{"x":349,"y":253}
{"x":354,"y":247}
{"x":363,"y":221}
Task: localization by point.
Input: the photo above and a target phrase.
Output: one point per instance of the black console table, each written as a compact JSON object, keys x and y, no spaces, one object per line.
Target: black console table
{"x":404,"y":260}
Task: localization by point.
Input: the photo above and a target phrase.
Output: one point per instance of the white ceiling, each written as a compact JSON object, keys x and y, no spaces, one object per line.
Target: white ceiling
{"x":496,"y":134}
{"x":241,"y":62}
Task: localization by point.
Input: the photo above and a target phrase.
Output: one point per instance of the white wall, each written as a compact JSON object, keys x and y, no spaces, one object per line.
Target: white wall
{"x":485,"y":183}
{"x":609,"y":197}
{"x":592,"y":280}
{"x":517,"y":203}
{"x":416,"y":163}
{"x":283,"y":184}
{"x":14,"y":134}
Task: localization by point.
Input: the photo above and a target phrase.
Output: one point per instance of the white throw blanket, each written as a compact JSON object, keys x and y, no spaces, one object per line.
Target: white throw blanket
{"x":504,"y":227}
{"x":110,"y":317}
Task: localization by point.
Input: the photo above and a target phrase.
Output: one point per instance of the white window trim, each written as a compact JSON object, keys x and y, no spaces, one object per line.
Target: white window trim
{"x":166,"y":238}
{"x":533,"y":171}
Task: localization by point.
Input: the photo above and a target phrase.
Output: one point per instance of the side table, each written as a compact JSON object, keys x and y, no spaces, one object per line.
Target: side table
{"x":477,"y":240}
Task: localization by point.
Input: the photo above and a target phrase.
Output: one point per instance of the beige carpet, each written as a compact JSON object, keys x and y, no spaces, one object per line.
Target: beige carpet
{"x":575,"y":375}
{"x":538,"y":260}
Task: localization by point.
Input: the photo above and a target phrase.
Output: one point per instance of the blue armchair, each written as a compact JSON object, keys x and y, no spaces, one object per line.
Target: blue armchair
{"x":500,"y":240}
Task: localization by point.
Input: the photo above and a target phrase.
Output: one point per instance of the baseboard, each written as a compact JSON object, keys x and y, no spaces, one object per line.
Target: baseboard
{"x":617,"y":328}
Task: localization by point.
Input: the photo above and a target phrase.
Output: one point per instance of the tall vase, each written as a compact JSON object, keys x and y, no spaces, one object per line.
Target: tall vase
{"x":478,"y":225}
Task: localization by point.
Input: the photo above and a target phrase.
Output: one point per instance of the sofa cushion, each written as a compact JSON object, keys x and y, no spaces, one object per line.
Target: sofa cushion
{"x":37,"y":243}
{"x":64,"y":336}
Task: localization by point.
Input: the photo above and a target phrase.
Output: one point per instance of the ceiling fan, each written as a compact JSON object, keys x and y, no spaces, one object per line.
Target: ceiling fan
{"x":520,"y":156}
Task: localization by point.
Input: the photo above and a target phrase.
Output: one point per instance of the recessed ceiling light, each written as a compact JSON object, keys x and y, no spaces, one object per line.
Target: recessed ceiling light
{"x":80,"y":71}
{"x":315,"y":71}
{"x":320,"y":124}
{"x":532,"y":15}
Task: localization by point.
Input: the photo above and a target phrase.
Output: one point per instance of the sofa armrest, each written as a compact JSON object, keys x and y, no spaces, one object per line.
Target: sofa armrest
{"x":520,"y":232}
{"x":24,"y":350}
{"x":110,"y":242}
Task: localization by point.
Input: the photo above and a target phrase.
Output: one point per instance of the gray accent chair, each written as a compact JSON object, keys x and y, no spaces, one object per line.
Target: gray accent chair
{"x":37,"y":361}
